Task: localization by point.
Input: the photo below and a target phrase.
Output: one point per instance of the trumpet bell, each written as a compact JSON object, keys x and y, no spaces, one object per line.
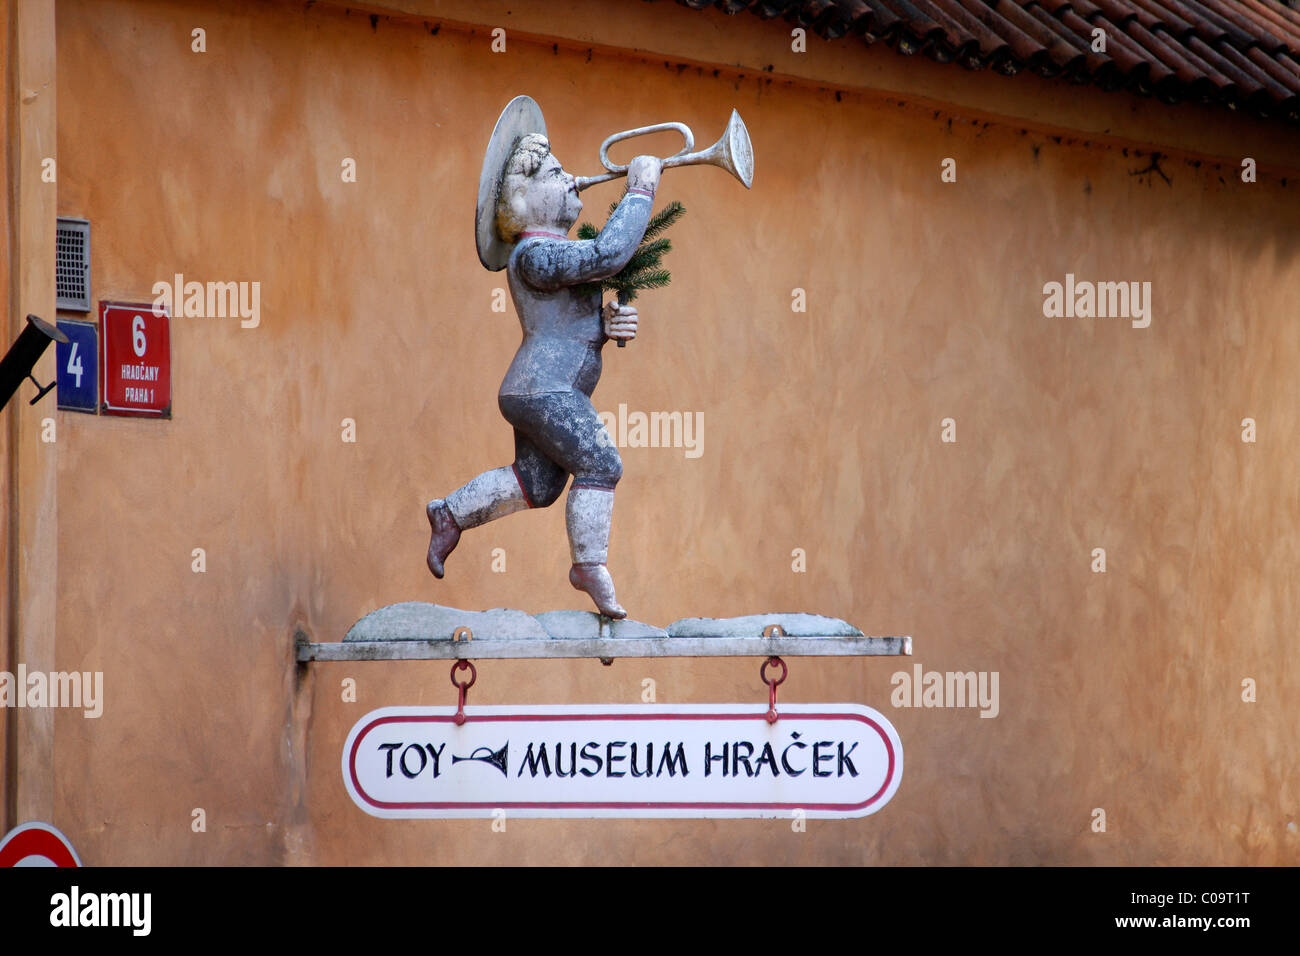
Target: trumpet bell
{"x":740,"y":149}
{"x":733,"y":152}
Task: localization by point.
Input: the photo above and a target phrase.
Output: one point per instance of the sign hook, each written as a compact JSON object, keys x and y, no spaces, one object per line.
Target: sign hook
{"x":772,"y":684}
{"x":463,"y":689}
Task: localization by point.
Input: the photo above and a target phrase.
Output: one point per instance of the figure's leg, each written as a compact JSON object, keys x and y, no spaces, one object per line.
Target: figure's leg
{"x":565,"y":427}
{"x":588,"y":515}
{"x":491,"y":495}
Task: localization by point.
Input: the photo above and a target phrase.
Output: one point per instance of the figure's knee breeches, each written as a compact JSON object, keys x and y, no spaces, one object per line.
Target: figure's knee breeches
{"x":541,"y":480}
{"x":602,"y":471}
{"x":558,"y":434}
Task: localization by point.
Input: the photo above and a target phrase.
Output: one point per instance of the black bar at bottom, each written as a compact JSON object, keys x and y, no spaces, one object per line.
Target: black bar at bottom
{"x":978,"y":907}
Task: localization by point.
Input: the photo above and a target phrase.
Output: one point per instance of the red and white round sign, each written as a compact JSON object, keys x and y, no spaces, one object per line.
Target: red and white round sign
{"x":37,"y":844}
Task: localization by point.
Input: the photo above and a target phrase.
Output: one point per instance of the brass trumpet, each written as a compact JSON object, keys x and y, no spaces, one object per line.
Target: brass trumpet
{"x":733,"y":152}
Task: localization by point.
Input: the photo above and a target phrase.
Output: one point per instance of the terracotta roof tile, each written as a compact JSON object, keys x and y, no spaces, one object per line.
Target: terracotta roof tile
{"x":1243,"y":54}
{"x":990,"y":49}
{"x":957,"y":41}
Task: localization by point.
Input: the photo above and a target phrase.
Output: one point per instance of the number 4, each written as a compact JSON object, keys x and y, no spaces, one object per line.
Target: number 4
{"x":74,"y":364}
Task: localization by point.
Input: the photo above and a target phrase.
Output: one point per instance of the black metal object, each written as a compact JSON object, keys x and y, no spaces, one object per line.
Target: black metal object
{"x":23,"y":356}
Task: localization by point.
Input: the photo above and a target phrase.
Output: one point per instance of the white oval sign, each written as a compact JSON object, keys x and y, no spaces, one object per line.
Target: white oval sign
{"x":647,"y":760}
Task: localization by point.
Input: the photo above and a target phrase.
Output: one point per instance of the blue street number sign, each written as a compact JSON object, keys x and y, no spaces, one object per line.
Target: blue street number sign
{"x":78,"y":367}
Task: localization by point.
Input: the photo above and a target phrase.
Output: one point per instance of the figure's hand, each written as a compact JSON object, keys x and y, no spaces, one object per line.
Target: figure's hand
{"x":643,"y":173}
{"x":620,"y":321}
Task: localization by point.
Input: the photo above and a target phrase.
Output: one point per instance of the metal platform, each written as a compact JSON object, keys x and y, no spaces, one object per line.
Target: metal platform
{"x":606,"y":649}
{"x":418,"y":631}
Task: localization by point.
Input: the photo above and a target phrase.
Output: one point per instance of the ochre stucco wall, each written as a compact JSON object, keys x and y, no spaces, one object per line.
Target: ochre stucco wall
{"x":6,"y":291}
{"x":31,"y":485}
{"x":821,"y":432}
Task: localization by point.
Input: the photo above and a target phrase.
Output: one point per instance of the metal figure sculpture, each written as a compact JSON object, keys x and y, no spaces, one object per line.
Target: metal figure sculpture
{"x":527,"y":203}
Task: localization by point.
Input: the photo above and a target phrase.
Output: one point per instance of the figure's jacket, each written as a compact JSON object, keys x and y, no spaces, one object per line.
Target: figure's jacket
{"x":563,"y":332}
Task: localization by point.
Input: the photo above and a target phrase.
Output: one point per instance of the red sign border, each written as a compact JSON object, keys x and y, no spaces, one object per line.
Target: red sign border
{"x":44,"y":837}
{"x":605,"y":805}
{"x":112,"y":410}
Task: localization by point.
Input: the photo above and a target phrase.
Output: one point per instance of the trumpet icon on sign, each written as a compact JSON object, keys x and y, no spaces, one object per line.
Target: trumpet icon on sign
{"x":22,"y":357}
{"x":497,"y":759}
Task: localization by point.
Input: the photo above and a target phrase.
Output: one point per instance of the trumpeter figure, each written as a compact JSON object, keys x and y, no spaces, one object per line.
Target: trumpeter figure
{"x":526,"y":205}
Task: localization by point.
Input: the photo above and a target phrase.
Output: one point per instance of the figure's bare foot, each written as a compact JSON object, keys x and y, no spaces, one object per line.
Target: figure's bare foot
{"x":595,"y":580}
{"x":445,"y":535}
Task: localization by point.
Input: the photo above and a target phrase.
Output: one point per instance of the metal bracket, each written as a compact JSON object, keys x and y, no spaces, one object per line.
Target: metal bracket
{"x":607,"y":648}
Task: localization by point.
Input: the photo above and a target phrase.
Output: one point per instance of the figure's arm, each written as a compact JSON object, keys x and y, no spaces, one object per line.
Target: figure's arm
{"x":552,"y":265}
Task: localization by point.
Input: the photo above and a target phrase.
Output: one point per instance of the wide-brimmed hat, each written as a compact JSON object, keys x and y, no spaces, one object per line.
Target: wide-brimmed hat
{"x":521,"y":116}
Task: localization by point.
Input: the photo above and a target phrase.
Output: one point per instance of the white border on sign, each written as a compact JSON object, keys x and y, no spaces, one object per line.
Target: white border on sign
{"x":642,"y":810}
{"x":104,"y":306}
{"x":47,"y":828}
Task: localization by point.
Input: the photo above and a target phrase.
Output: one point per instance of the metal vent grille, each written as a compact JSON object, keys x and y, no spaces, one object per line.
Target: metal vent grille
{"x":72,"y":265}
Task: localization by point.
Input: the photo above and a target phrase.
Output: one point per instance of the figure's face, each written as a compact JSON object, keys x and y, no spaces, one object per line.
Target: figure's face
{"x":552,"y":196}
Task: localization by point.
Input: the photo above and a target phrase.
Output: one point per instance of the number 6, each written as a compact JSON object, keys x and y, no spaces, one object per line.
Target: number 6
{"x":137,"y":335}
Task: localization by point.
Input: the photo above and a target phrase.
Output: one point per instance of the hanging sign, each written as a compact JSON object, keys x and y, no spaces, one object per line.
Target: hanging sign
{"x":647,"y":760}
{"x":137,"y":359}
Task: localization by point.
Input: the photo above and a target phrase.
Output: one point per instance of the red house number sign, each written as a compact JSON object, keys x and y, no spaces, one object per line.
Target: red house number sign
{"x":136,"y":360}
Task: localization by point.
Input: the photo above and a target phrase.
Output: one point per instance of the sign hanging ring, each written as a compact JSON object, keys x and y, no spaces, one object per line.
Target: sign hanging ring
{"x":462,"y":690}
{"x":772,"y":683}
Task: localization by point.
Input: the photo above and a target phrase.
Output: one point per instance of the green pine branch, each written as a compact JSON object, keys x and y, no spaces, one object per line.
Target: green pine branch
{"x":656,"y":279}
{"x":643,"y":270}
{"x":664,"y":218}
{"x":647,"y":256}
